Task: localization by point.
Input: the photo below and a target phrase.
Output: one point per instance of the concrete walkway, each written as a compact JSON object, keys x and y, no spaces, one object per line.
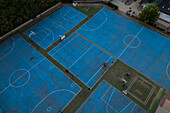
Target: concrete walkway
{"x":124,"y":8}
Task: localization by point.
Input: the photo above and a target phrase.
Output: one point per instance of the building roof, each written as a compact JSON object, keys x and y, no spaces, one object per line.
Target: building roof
{"x":164,"y":6}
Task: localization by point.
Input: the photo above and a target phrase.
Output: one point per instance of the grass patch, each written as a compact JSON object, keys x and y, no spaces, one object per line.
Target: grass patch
{"x":114,"y":75}
{"x":156,"y":101}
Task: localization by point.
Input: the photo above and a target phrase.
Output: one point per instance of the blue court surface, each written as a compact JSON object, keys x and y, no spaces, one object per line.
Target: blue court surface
{"x":108,"y":29}
{"x":107,"y":99}
{"x":82,"y":58}
{"x":29,"y":83}
{"x":151,"y":57}
{"x":48,"y":30}
{"x":146,"y":51}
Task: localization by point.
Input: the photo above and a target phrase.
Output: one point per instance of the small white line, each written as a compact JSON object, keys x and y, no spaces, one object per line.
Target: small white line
{"x":133,"y":108}
{"x":13,"y":45}
{"x":99,"y":25}
{"x":125,"y":107}
{"x":109,"y":101}
{"x":81,"y":56}
{"x":109,"y":105}
{"x":97,"y":71}
{"x":130,"y":42}
{"x":5,"y":89}
{"x":58,"y":24}
{"x":64,"y":45}
{"x":66,"y":13}
{"x":49,"y":95}
{"x":106,"y":92}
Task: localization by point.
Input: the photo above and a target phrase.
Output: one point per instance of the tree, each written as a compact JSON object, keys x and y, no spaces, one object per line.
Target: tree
{"x":149,"y":14}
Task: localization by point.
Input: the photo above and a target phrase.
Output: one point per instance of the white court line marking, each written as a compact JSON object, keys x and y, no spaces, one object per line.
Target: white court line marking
{"x":167,"y":73}
{"x":50,"y":32}
{"x":131,"y":46}
{"x":106,"y":92}
{"x":22,"y":75}
{"x":80,"y":56}
{"x":66,"y":13}
{"x":58,"y":24}
{"x":99,"y":25}
{"x":130,"y":42}
{"x":133,"y":108}
{"x":13,"y":45}
{"x":19,"y":78}
{"x":97,"y":72}
{"x":125,"y":107}
{"x":51,"y":94}
{"x":109,"y":101}
{"x":64,"y":45}
{"x":109,"y":105}
{"x":52,"y":35}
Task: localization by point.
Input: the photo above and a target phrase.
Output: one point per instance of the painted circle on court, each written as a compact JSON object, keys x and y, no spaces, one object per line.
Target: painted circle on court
{"x":134,"y":41}
{"x":19,"y":78}
{"x":72,"y":85}
{"x":49,"y":109}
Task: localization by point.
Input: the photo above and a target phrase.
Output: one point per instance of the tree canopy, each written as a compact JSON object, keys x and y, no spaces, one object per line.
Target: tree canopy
{"x":15,"y":12}
{"x":149,"y":14}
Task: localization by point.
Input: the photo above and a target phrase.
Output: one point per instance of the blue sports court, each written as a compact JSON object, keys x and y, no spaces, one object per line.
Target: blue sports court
{"x":48,"y":31}
{"x":29,"y":82}
{"x":107,"y":99}
{"x":144,"y":50}
{"x":82,"y":58}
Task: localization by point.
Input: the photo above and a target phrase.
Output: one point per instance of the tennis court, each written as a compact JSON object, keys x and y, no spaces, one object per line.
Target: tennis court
{"x":86,"y":61}
{"x":29,"y":82}
{"x":146,"y":51}
{"x":48,"y":30}
{"x":106,"y":98}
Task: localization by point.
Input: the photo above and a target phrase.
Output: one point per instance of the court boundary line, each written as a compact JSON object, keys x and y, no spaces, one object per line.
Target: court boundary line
{"x":13,"y":46}
{"x":58,"y":69}
{"x":130,"y":42}
{"x":39,"y":63}
{"x":80,"y":56}
{"x":120,"y":93}
{"x":109,"y":100}
{"x":57,"y":90}
{"x":124,"y":95}
{"x":39,"y":43}
{"x":97,"y":71}
{"x":106,"y":18}
{"x":105,"y":72}
{"x":73,"y":72}
{"x":109,"y":105}
{"x":62,"y":46}
{"x":96,"y":45}
{"x":58,"y":24}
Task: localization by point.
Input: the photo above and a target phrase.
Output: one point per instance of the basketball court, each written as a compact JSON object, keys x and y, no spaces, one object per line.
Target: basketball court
{"x":31,"y":83}
{"x":144,"y":50}
{"x":86,"y":61}
{"x":107,"y":99}
{"x":46,"y":32}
